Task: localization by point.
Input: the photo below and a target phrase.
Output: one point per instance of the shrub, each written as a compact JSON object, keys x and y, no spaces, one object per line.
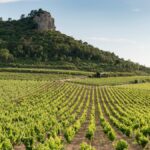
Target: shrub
{"x":111,"y":135}
{"x":136,"y":81}
{"x":107,"y":128}
{"x":102,"y":120}
{"x":55,"y":143}
{"x":6,"y":145}
{"x":42,"y":147}
{"x":143,"y":141}
{"x":69,"y":134}
{"x":28,"y":141}
{"x":121,"y":145}
{"x":146,"y":130}
{"x":136,"y":126}
{"x":128,"y":132}
{"x":85,"y":146}
{"x":51,"y":144}
{"x":77,"y":126}
{"x":90,"y":131}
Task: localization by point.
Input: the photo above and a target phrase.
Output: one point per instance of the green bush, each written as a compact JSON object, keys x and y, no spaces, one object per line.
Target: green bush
{"x":146,"y":131}
{"x":6,"y":145}
{"x":107,"y":128}
{"x":77,"y":126}
{"x":141,"y":139}
{"x":121,"y":145}
{"x":128,"y":132}
{"x":51,"y":144}
{"x":111,"y":135}
{"x":28,"y":141}
{"x":42,"y":147}
{"x":85,"y":146}
{"x":55,"y":143}
{"x":90,"y":131}
{"x":136,"y":81}
{"x":69,"y":134}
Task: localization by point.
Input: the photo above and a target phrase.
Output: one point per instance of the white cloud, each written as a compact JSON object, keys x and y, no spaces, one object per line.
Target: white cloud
{"x":11,"y":1}
{"x":8,"y":1}
{"x":112,"y":40}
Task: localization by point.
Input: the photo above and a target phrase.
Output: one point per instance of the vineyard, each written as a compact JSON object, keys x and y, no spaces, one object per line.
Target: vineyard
{"x":54,"y":114}
{"x":113,"y":80}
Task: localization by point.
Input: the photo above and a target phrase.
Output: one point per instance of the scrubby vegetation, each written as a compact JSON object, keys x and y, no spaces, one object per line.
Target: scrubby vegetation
{"x":121,"y":145}
{"x":85,"y":146}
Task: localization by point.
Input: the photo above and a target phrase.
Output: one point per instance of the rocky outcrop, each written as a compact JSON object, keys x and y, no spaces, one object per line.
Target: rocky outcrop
{"x":44,"y":21}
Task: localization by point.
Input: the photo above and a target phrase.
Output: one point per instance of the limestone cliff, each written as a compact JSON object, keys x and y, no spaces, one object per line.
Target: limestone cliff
{"x":44,"y":21}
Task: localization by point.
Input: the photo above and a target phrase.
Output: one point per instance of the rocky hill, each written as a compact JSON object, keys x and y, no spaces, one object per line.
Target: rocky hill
{"x":32,"y":41}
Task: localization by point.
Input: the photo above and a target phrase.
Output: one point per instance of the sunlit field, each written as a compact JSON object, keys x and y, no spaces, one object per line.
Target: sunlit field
{"x":54,"y":113}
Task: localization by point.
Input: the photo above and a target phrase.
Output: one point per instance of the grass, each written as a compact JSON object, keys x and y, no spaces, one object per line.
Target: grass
{"x":46,"y":71}
{"x":33,"y":76}
{"x":113,"y":80}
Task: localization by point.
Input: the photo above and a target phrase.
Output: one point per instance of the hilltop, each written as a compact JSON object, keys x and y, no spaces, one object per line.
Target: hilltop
{"x":33,"y":41}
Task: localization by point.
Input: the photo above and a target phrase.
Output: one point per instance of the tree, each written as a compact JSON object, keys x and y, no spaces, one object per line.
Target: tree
{"x":69,"y":59}
{"x":40,"y":10}
{"x":32,"y":13}
{"x":77,"y":59}
{"x":9,"y":19}
{"x":22,"y":16}
{"x":5,"y":55}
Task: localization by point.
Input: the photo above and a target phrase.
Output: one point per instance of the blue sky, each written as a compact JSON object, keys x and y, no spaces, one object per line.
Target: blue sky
{"x":120,"y":26}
